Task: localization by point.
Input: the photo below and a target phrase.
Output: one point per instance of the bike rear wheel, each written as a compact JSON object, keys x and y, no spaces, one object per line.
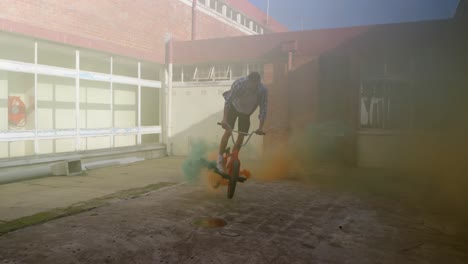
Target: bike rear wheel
{"x":233,"y":180}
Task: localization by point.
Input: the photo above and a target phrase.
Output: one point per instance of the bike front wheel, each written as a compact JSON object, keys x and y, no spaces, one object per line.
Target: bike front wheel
{"x":233,"y":180}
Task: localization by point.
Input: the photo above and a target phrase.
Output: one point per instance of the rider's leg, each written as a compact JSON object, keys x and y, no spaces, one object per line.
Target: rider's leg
{"x":224,"y":142}
{"x":239,"y":141}
{"x":232,"y":116}
{"x":244,"y":125}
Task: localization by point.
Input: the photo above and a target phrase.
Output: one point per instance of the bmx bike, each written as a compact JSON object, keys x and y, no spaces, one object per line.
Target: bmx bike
{"x":231,"y":163}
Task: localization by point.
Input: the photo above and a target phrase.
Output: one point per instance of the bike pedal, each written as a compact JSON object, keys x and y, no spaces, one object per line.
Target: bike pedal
{"x":216,"y":186}
{"x":241,"y":179}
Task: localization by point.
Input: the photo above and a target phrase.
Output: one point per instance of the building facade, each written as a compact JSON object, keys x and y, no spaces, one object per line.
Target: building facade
{"x":386,"y":96}
{"x":83,"y":76}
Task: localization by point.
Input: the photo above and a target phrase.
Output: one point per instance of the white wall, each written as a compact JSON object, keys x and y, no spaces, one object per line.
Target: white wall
{"x":196,"y":110}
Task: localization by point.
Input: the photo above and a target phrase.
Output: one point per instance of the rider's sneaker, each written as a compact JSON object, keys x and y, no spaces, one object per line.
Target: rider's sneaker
{"x":241,"y":178}
{"x":216,"y":184}
{"x":220,"y":166}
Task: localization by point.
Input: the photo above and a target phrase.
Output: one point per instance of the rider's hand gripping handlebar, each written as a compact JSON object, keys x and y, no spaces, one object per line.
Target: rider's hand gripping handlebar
{"x":243,"y":133}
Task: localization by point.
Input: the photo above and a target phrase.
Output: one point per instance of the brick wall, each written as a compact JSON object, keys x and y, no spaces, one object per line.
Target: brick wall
{"x":133,"y":28}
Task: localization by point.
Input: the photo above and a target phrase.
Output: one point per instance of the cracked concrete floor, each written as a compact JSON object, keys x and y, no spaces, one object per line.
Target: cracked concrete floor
{"x":282,"y":222}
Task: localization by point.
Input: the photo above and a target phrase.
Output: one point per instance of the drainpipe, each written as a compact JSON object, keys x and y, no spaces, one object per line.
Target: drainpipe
{"x":290,"y":60}
{"x":194,"y":19}
{"x":169,"y":62}
{"x":268,"y":15}
{"x":291,"y":48}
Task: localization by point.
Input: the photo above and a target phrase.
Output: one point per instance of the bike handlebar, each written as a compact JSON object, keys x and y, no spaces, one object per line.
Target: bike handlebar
{"x":243,"y":133}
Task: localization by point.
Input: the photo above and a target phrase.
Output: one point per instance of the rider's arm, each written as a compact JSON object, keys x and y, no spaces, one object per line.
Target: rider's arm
{"x":226,"y":110}
{"x":263,"y":109}
{"x":262,"y":122}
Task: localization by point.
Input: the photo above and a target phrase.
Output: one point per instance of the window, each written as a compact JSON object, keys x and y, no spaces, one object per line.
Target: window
{"x":16,"y":48}
{"x":56,"y":102}
{"x":222,"y":72}
{"x":219,"y":72}
{"x":203,"y":73}
{"x":95,"y":61}
{"x":125,"y":108}
{"x":150,"y":110}
{"x":219,"y":7}
{"x":41,"y":115}
{"x":95,"y":111}
{"x":385,"y":105}
{"x":150,"y":71}
{"x":234,"y":15}
{"x":56,"y":55}
{"x":189,"y":73}
{"x":125,"y":67}
{"x":177,"y":74}
{"x":386,"y":94}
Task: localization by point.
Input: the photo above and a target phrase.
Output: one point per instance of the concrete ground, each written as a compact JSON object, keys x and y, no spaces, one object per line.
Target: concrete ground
{"x":29,"y":197}
{"x":267,"y":222}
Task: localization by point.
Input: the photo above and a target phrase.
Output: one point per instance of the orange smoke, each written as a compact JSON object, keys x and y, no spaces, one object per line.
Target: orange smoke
{"x":275,"y":165}
{"x":212,"y":179}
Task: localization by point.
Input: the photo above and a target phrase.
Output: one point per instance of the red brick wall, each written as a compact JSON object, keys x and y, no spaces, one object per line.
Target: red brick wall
{"x":303,"y":87}
{"x":126,"y":27}
{"x":277,"y":123}
{"x":209,"y":27}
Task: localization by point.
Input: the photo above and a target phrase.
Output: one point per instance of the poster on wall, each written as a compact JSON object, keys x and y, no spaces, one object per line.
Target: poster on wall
{"x":17,"y":112}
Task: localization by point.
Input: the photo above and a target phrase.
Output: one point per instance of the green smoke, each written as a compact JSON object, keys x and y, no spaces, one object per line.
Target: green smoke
{"x":196,"y":162}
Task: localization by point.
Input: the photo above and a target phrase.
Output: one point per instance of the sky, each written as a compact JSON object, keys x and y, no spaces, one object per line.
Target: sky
{"x":342,"y":13}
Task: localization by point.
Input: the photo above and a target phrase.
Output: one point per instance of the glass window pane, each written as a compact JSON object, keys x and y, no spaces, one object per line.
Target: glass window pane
{"x":16,"y":48}
{"x":56,"y":102}
{"x":95,"y":61}
{"x":56,"y":55}
{"x":150,"y":139}
{"x":150,"y":71}
{"x":16,"y":101}
{"x":21,"y":148}
{"x":150,"y":106}
{"x":64,"y":145}
{"x":124,"y":141}
{"x":46,"y":146}
{"x":203,"y":73}
{"x":125,"y":105}
{"x":91,"y":143}
{"x":4,"y":150}
{"x":221,"y":72}
{"x":189,"y":72}
{"x":177,"y":74}
{"x":95,"y":104}
{"x":125,"y":67}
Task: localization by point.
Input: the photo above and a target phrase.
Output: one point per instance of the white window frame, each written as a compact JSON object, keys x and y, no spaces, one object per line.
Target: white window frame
{"x":77,"y":133}
{"x":226,"y":76}
{"x":196,"y":74}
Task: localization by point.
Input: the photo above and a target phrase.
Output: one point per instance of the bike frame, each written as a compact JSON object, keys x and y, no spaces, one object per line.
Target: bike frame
{"x":229,"y":158}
